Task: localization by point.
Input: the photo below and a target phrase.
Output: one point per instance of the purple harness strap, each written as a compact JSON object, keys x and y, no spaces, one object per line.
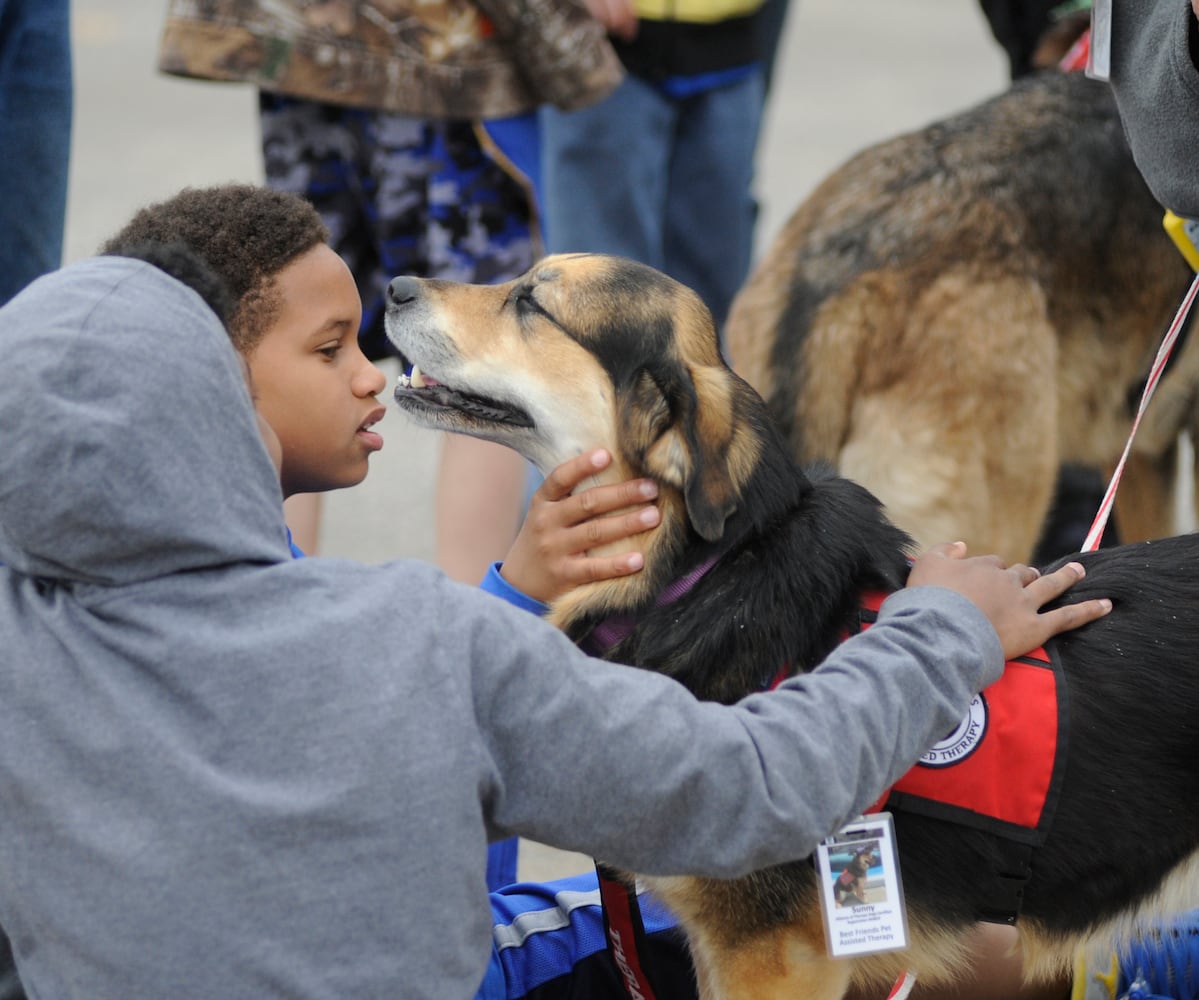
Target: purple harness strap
{"x":612,"y":630}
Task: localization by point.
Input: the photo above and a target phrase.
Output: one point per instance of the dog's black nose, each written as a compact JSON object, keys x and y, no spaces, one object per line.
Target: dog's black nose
{"x":402,"y":290}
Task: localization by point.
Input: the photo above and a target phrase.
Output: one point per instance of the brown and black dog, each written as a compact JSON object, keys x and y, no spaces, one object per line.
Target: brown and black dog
{"x":586,"y":351}
{"x":956,"y":312}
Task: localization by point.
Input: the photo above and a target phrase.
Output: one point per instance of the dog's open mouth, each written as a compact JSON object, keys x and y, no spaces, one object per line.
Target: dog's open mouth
{"x":428,"y":398}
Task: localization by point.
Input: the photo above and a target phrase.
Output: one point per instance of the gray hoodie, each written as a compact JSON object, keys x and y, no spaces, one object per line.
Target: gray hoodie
{"x":228,"y":773}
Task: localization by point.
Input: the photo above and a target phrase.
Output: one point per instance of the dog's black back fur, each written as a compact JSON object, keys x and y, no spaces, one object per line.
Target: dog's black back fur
{"x":1129,"y":804}
{"x":1130,"y":799}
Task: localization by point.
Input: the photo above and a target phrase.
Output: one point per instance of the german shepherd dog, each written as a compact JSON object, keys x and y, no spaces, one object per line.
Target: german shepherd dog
{"x":954,"y":313}
{"x":585,"y":351}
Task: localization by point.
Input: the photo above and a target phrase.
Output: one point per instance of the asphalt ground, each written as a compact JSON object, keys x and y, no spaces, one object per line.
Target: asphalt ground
{"x":848,"y":75}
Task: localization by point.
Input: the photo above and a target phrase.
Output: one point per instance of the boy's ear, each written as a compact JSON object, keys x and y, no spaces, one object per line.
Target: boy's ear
{"x":184,"y":264}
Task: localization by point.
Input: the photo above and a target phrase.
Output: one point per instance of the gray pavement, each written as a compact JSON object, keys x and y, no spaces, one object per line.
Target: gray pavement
{"x":849,"y":74}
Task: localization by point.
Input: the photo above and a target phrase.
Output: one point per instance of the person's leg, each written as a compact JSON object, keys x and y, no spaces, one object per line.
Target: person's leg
{"x":35,"y":138}
{"x":480,"y":499}
{"x":708,"y":236}
{"x":316,"y":151}
{"x":769,"y":23}
{"x":390,"y":180}
{"x":604,"y":174}
{"x":480,"y":218}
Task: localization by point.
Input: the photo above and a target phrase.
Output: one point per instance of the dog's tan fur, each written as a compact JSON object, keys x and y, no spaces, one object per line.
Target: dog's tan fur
{"x":954,"y":313}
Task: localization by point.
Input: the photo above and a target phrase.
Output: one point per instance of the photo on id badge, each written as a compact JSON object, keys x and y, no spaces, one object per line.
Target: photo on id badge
{"x":860,"y":879}
{"x":860,"y":888}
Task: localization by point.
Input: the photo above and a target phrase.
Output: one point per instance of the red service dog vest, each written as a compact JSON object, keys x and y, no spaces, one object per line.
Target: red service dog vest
{"x":1000,"y":768}
{"x":999,"y":771}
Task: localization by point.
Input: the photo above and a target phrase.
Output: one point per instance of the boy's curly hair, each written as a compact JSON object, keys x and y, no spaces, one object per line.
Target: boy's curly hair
{"x":246,"y":233}
{"x":183,"y":265}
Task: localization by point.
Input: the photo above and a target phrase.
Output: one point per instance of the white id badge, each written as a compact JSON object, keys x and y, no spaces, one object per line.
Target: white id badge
{"x":861,"y":892}
{"x":1099,"y":57}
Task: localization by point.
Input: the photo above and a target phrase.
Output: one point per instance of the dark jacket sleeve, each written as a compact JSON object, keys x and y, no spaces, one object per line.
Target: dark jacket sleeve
{"x":1156,"y":84}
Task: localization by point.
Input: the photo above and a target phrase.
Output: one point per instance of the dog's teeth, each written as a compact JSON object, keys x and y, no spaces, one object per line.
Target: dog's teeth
{"x":413,"y":380}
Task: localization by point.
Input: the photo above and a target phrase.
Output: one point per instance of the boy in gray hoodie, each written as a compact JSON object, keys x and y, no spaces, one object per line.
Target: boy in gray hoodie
{"x":227,"y":772}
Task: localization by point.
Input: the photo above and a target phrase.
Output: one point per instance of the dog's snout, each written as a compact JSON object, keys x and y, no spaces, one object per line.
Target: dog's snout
{"x":402,"y":290}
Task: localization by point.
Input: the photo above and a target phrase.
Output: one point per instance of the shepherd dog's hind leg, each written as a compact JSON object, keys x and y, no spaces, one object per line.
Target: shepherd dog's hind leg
{"x":780,"y":964}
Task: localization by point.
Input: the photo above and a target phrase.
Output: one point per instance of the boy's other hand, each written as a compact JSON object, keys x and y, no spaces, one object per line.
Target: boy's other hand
{"x":549,"y":557}
{"x":1010,"y":596}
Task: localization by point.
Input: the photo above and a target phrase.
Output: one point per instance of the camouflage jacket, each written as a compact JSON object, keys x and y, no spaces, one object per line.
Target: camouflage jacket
{"x":462,"y":59}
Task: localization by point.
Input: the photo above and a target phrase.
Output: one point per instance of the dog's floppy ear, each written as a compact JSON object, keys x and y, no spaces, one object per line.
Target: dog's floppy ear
{"x":679,"y":424}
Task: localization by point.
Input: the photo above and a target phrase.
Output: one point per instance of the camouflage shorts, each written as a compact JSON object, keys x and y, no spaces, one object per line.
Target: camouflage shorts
{"x":400,"y":195}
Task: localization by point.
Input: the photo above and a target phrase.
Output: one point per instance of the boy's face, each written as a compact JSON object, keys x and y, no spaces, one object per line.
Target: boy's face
{"x":312,"y":382}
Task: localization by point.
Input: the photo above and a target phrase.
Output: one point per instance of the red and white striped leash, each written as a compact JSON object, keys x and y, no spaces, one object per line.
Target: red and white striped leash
{"x":1074,"y":60}
{"x":1095,"y":535}
{"x":903,"y":986}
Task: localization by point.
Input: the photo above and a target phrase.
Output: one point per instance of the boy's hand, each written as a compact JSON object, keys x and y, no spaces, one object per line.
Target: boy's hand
{"x":1010,"y":596}
{"x":549,"y":556}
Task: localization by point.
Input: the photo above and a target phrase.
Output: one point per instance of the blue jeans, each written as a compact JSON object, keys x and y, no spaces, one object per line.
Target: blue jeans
{"x":35,"y":138}
{"x":663,"y":180}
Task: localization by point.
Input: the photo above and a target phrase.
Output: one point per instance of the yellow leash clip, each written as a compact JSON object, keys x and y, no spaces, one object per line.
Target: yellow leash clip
{"x":1185,"y":234}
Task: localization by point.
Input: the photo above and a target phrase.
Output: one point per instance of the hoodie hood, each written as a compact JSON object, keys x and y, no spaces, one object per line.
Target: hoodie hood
{"x":111,"y":471}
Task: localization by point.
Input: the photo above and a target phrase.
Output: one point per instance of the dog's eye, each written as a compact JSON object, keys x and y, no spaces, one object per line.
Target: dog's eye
{"x":527,"y":307}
